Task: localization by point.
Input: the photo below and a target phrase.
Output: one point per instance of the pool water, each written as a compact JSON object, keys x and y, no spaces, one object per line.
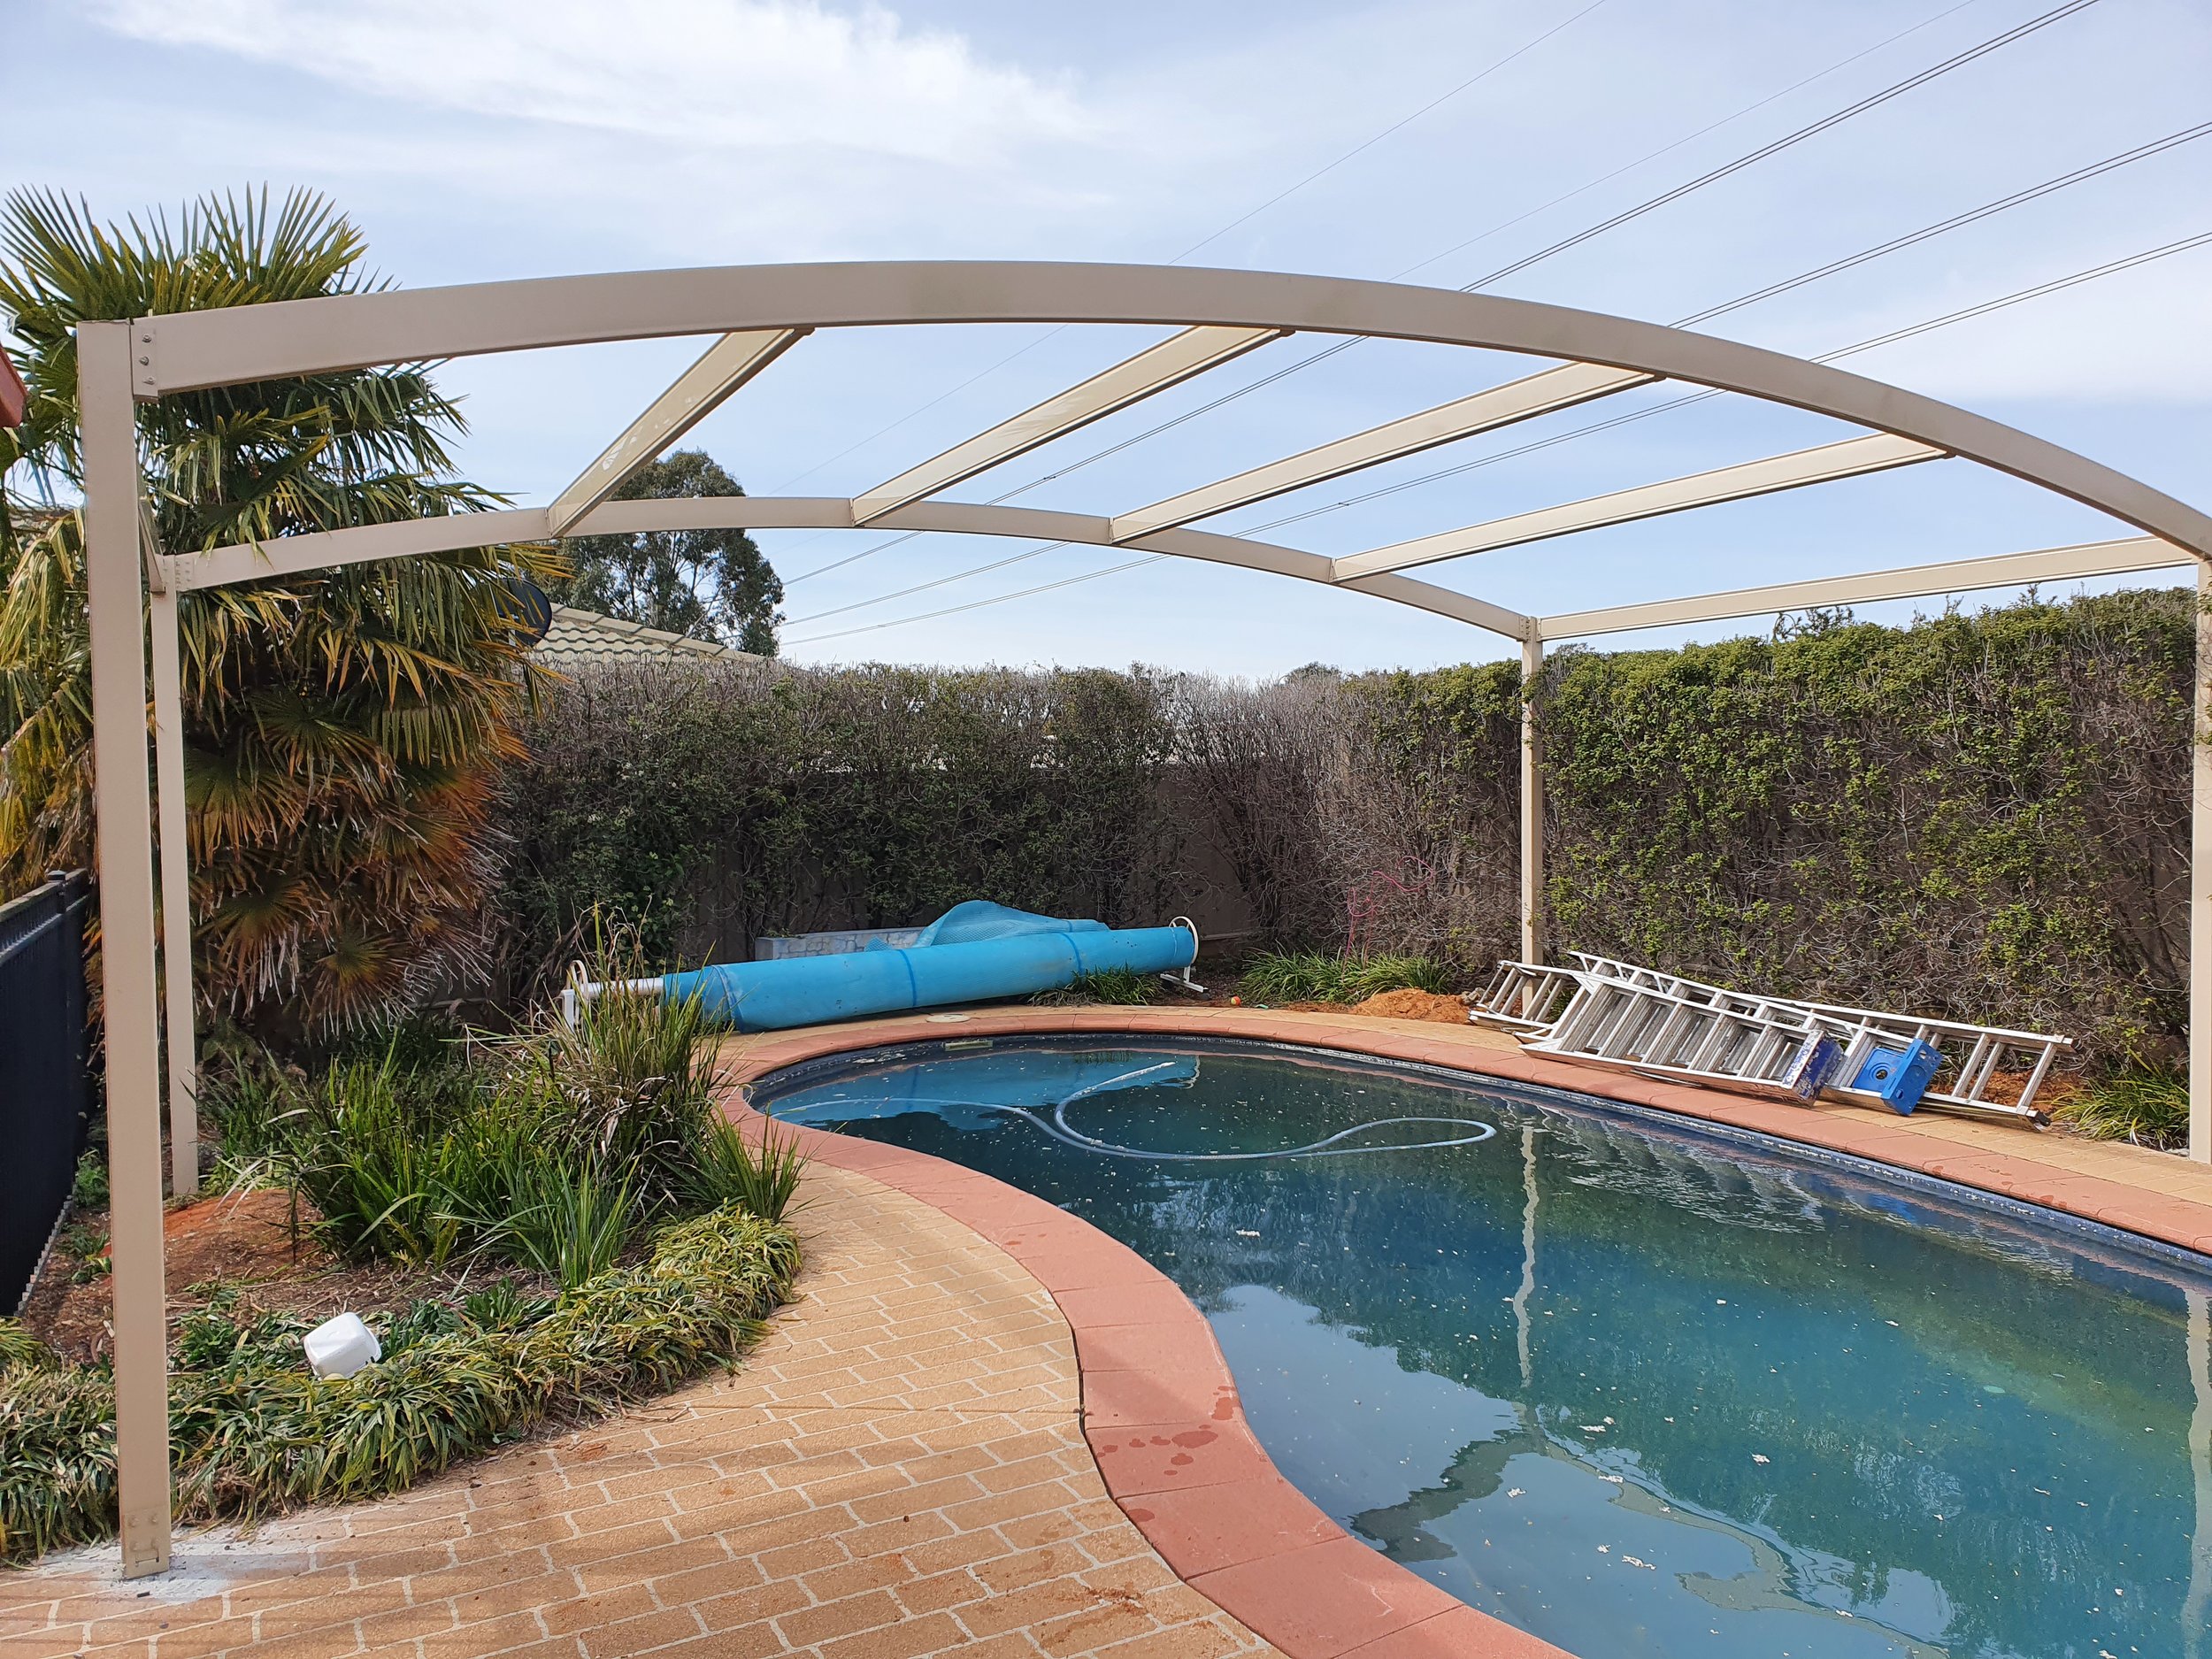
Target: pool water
{"x":1634,"y":1388}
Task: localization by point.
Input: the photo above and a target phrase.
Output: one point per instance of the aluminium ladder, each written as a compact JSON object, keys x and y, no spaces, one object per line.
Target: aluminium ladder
{"x":1635,"y":1018}
{"x":1756,"y":1045}
{"x":1971,"y":1051}
{"x":1522,"y":996}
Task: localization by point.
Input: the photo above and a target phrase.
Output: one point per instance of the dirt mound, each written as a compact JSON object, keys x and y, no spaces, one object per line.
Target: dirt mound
{"x":1411,"y":1004}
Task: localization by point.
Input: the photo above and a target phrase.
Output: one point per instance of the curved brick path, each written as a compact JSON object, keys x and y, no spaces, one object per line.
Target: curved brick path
{"x":899,"y":1470}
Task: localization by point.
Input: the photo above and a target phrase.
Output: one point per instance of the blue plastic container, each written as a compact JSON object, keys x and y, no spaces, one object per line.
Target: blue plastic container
{"x":1900,"y":1076}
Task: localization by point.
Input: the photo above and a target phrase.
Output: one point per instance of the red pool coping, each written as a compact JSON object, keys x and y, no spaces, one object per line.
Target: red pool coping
{"x":1160,"y":1410}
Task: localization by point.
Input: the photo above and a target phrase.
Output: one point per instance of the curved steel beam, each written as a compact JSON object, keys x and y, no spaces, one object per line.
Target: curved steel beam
{"x":248,"y":561}
{"x":188,"y":350}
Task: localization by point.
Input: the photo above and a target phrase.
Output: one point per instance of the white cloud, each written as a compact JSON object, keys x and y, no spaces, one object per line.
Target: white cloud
{"x":734,"y":73}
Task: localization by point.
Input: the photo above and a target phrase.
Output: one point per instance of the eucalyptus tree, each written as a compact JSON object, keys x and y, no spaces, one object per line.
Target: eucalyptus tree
{"x":714,"y":582}
{"x":342,"y":728}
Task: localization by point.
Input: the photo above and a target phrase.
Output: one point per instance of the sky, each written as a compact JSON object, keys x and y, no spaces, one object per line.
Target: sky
{"x":480,"y":140}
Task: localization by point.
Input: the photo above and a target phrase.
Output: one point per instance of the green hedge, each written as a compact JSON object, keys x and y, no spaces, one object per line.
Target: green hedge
{"x":709,"y":806}
{"x":1980,"y":815}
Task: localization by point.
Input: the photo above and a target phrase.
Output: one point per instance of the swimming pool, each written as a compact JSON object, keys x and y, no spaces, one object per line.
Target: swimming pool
{"x":1633,"y":1388}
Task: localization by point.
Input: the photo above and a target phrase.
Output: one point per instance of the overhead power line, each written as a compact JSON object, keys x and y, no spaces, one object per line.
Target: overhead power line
{"x":1685,"y":401}
{"x":1911,"y":82}
{"x":985,"y":373}
{"x":1360,"y":149}
{"x":2095,"y":169}
{"x":1668,"y":149}
{"x":1974,"y":215}
{"x":1787,"y":140}
{"x":1666,"y":198}
{"x":2058,"y":285}
{"x":1251,"y":213}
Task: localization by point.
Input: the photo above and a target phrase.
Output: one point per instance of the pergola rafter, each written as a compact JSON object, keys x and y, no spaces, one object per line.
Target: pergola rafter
{"x":1150,"y":372}
{"x":758,"y":312}
{"x":1554,"y":389}
{"x":1917,"y":582}
{"x":728,"y":364}
{"x":1854,"y":457}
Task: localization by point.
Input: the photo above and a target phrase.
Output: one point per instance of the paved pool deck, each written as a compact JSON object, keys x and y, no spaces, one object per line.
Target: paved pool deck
{"x":982,"y":1428}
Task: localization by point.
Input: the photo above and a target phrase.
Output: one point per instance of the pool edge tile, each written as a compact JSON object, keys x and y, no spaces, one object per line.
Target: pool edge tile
{"x":1272,"y":1594}
{"x":1238,"y":1514}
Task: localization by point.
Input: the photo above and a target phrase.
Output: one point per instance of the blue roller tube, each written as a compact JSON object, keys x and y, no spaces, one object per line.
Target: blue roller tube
{"x":814,"y":990}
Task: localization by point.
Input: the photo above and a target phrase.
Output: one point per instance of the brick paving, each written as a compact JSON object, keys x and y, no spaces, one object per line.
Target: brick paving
{"x":899,"y":1470}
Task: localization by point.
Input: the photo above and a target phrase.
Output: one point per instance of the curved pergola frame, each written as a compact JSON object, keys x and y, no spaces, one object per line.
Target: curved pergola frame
{"x":754,"y":316}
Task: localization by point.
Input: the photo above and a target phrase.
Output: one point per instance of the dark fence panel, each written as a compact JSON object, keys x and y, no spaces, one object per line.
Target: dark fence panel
{"x":45,"y":1075}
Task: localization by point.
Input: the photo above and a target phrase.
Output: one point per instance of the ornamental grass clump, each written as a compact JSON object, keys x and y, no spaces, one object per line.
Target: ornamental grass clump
{"x":1318,"y":977}
{"x":253,"y":1431}
{"x":1125,"y":987}
{"x":554,"y":1151}
{"x":2146,"y":1106}
{"x":763,"y":1175}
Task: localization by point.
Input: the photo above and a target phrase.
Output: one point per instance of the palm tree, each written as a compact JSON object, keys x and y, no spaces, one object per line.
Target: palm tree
{"x":342,"y":729}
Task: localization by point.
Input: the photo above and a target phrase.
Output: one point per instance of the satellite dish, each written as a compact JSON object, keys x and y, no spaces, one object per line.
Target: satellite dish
{"x":534,"y":609}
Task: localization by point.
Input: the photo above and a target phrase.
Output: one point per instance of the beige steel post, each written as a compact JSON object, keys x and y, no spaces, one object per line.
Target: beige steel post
{"x":121,"y":799}
{"x":2200,"y":883}
{"x":1531,"y":801}
{"x":176,"y":893}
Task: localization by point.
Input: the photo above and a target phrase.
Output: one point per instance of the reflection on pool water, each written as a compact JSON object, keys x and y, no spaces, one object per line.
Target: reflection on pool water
{"x":1631,"y":1389}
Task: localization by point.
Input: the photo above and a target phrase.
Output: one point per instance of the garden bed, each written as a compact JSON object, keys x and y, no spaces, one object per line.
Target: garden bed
{"x":252,"y":1430}
{"x":262,"y":1248}
{"x":537,"y":1227}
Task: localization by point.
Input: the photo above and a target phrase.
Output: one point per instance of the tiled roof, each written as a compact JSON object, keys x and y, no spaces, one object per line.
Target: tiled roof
{"x":586,"y":637}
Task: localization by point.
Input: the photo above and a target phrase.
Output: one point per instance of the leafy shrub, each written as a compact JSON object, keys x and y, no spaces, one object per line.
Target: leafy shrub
{"x":570,"y":1221}
{"x":714,"y":804}
{"x":87,"y":1246}
{"x":552,"y":1151}
{"x":633,"y":1082}
{"x":253,"y":1431}
{"x":19,"y":1347}
{"x":245,"y":1110}
{"x":89,"y":1188}
{"x":1314,"y":977}
{"x":499,"y":1306}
